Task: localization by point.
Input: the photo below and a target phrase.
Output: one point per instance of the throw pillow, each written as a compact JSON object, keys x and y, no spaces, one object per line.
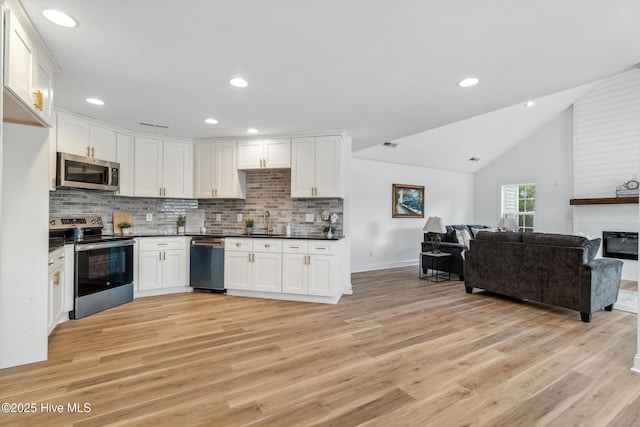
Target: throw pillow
{"x":594,"y":245}
{"x":463,"y":237}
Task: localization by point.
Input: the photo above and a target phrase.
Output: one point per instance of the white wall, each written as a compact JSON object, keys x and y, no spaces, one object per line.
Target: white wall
{"x":24,"y":245}
{"x":380,"y":241}
{"x":546,"y":159}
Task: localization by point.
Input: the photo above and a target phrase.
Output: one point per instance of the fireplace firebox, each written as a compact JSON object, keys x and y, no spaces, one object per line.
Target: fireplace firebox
{"x":620,"y":244}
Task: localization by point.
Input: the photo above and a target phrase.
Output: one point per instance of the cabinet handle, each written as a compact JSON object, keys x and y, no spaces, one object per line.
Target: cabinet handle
{"x":238,"y":245}
{"x":294,"y":247}
{"x":216,"y":192}
{"x":53,"y":183}
{"x":212,"y":194}
{"x":57,"y":278}
{"x":51,"y":263}
{"x":88,"y":151}
{"x":164,"y":256}
{"x":253,"y":257}
{"x":93,"y":152}
{"x":38,"y":98}
{"x":267,"y":245}
{"x":162,"y":244}
{"x":61,"y":257}
{"x":160,"y":255}
{"x":249,"y":257}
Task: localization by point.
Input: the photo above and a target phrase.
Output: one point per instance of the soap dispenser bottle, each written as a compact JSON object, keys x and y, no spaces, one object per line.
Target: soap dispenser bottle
{"x":288,"y":229}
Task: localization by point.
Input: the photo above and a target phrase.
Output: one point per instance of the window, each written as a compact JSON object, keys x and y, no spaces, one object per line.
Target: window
{"x":519,"y":203}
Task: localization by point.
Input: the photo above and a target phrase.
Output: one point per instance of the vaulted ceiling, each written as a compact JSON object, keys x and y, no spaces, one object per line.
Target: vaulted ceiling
{"x":382,"y":70}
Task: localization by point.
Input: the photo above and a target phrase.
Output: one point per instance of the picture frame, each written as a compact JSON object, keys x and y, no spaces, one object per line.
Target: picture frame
{"x":407,"y":201}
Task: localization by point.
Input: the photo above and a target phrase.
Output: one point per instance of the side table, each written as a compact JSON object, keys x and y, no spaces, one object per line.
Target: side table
{"x":435,"y":262}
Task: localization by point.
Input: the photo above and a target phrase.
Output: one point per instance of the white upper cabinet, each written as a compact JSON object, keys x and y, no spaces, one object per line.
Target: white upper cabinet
{"x":162,"y":168}
{"x":28,"y":72}
{"x":80,"y":137}
{"x":316,"y":167}
{"x":125,"y":154}
{"x":216,"y":174}
{"x":264,"y":154}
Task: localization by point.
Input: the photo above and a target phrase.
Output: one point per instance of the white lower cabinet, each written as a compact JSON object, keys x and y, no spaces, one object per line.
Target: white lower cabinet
{"x":56,"y":288}
{"x":308,"y":268}
{"x":253,"y":264}
{"x":162,"y":263}
{"x":286,"y":268}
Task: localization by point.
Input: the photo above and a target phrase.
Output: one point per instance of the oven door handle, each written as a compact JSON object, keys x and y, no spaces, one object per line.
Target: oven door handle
{"x":103,"y":245}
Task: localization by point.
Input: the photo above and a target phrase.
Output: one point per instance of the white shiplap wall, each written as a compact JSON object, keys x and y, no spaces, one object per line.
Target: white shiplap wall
{"x":607,"y":154}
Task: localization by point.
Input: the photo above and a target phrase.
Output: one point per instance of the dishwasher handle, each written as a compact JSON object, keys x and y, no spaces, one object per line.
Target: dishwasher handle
{"x":209,"y":243}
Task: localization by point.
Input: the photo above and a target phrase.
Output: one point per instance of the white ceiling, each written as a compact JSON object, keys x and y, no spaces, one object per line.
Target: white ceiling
{"x":382,"y":70}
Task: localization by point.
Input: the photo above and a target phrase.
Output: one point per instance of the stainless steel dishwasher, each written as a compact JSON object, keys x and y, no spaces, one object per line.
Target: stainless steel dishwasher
{"x":206,"y":265}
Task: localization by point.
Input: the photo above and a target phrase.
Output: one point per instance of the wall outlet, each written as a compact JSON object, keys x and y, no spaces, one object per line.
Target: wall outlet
{"x":149,"y":217}
{"x":218,"y":217}
{"x":239,"y":219}
{"x":309,"y":218}
{"x":319,"y":218}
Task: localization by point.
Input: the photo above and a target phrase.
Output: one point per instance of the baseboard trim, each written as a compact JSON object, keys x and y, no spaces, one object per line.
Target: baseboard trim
{"x":374,"y":267}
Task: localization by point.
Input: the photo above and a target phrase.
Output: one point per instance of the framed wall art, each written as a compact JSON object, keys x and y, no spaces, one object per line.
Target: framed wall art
{"x":408,"y":201}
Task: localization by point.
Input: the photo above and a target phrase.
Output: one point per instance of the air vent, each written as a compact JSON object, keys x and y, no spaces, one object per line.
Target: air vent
{"x":390,"y":144}
{"x":154,"y":125}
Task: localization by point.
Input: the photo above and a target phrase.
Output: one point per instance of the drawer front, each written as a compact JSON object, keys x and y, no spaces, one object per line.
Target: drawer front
{"x":56,"y":259}
{"x":267,"y":245}
{"x":238,"y":244}
{"x":295,"y":247}
{"x":162,"y":244}
{"x":322,"y":248}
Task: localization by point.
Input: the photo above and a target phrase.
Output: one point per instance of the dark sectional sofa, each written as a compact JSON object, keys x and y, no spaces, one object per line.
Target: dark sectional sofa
{"x":553,"y":269}
{"x":450,"y":244}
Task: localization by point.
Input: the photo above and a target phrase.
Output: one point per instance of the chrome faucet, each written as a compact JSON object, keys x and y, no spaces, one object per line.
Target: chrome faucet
{"x":266,"y":220}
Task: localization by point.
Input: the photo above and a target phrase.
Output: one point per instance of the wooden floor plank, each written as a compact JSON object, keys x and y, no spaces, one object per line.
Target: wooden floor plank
{"x":399,"y":351}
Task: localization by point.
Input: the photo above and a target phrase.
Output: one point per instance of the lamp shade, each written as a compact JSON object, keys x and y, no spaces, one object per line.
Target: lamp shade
{"x":507,"y":223}
{"x":434,"y":225}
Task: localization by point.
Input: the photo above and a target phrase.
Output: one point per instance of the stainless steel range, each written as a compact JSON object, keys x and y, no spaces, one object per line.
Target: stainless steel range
{"x":103,"y":265}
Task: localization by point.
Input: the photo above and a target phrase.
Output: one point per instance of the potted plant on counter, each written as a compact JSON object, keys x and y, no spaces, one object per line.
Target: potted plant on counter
{"x":249,"y":224}
{"x":124,"y":227}
{"x":181,"y":222}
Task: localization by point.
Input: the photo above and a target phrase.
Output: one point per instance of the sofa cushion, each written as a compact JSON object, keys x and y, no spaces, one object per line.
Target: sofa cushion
{"x":508,"y":236}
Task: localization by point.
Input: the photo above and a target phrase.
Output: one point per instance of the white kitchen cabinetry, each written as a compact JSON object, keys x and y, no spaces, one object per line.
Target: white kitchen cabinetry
{"x":216,"y":174}
{"x":264,"y":154}
{"x":316,"y":167}
{"x":125,"y":152}
{"x":82,"y":138}
{"x":29,"y":70}
{"x":309,"y":267}
{"x":162,"y":263}
{"x":56,"y":288}
{"x":253,"y":264}
{"x":162,"y":168}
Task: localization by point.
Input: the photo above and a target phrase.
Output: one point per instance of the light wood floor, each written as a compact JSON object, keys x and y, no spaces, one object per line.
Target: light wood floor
{"x":399,"y":352}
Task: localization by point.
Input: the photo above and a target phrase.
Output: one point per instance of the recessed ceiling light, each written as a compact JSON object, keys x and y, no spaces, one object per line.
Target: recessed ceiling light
{"x":252,"y":130}
{"x":468,"y":82}
{"x":530,"y":103}
{"x":60,"y":18}
{"x":239,"y":82}
{"x":95,"y":101}
{"x":211,"y":121}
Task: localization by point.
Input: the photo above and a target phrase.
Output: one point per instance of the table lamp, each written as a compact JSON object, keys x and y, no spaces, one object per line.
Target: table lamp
{"x":436,"y":227}
{"x":507,"y":224}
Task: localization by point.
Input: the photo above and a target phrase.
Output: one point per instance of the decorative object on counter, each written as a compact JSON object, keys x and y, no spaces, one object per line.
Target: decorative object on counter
{"x":288,"y":229}
{"x":435,"y":227}
{"x":332,"y":218}
{"x":124,"y":227}
{"x":181,"y":222}
{"x":119,"y":217}
{"x":249,"y":224}
{"x":203,"y":230}
{"x":507,"y":224}
{"x":630,"y":188}
{"x":407,"y":201}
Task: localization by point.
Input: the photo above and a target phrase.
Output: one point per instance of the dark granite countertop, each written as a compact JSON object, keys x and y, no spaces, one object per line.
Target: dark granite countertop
{"x":57,"y":242}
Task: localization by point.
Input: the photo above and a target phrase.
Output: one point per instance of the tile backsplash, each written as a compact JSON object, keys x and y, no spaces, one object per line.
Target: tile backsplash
{"x":266,"y":190}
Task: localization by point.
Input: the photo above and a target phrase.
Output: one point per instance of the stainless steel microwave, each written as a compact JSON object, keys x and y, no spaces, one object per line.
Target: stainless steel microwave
{"x":84,"y":172}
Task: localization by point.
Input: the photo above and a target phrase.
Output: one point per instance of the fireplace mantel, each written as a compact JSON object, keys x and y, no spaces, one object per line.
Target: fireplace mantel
{"x":604,"y":201}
